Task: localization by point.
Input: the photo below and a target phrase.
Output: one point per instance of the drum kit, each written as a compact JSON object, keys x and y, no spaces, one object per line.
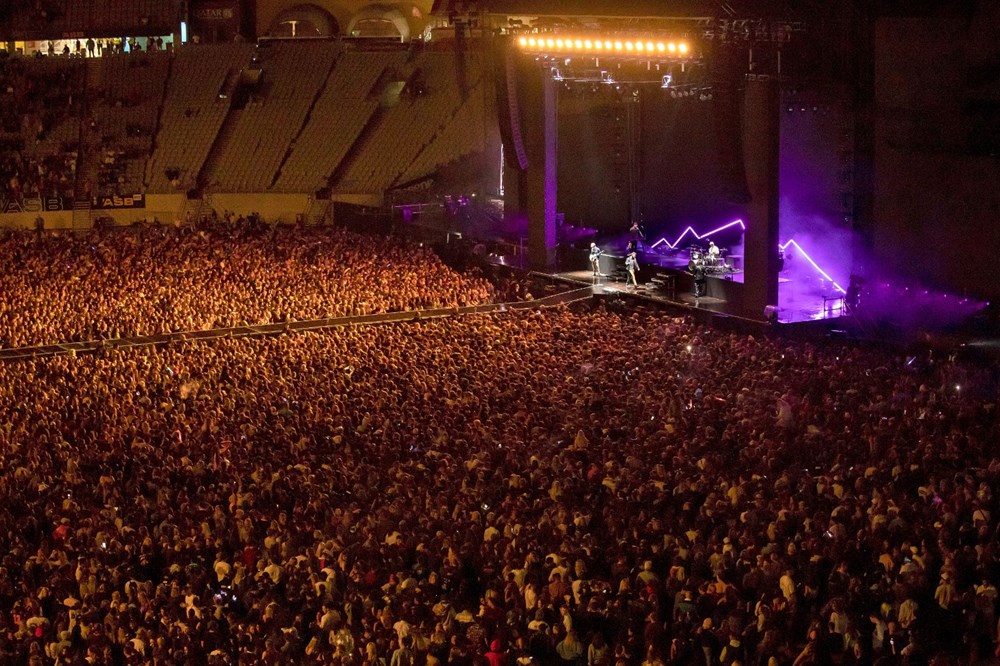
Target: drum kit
{"x":707,"y":263}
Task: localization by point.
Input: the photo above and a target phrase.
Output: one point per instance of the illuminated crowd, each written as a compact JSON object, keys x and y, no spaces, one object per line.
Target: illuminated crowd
{"x":156,"y":280}
{"x":554,"y":487}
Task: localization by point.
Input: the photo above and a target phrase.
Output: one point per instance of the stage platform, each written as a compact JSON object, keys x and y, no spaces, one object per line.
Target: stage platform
{"x":675,"y":288}
{"x":657,"y":292}
{"x":801,"y":297}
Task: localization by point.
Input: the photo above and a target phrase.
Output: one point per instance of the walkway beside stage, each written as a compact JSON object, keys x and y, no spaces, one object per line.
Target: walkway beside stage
{"x":56,"y":349}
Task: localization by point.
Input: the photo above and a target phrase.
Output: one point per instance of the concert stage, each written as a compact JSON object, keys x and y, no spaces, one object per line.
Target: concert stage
{"x":664,"y":278}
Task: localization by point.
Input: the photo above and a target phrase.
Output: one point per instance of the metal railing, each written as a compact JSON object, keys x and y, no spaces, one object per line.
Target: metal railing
{"x":60,"y":348}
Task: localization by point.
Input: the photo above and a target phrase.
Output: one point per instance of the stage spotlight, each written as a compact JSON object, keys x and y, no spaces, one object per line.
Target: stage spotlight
{"x":672,"y":47}
{"x":598,"y":45}
{"x":661,"y":47}
{"x":559,"y":43}
{"x":550,"y":42}
{"x":607,"y":45}
{"x":579,"y":44}
{"x":589,"y":44}
{"x":523,"y":41}
{"x":629,"y":46}
{"x":639,"y":46}
{"x":649,"y":46}
{"x":682,"y":47}
{"x":618,"y":46}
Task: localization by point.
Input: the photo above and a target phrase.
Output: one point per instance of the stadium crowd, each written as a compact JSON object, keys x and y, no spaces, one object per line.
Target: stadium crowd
{"x":554,"y":487}
{"x":154,"y":280}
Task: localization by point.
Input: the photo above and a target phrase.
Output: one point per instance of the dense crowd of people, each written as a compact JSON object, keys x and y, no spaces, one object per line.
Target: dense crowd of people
{"x":155,"y":280}
{"x":555,"y":487}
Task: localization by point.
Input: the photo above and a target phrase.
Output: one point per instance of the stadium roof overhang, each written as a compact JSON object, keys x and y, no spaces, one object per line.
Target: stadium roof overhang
{"x":690,"y":10}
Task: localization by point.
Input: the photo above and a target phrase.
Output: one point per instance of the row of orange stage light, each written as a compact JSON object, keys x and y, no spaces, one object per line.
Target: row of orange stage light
{"x":634,"y":46}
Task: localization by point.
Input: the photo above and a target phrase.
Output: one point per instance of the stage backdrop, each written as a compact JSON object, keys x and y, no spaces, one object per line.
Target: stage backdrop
{"x":666,"y":161}
{"x":594,"y":152}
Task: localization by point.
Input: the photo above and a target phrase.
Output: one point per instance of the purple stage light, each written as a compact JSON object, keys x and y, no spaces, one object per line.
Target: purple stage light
{"x":814,"y":264}
{"x":690,"y":230}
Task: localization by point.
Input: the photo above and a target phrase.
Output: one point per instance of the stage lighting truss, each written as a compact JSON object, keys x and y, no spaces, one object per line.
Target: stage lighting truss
{"x":684,"y":79}
{"x":619,"y":47}
{"x":700,"y":92}
{"x":754,"y":30}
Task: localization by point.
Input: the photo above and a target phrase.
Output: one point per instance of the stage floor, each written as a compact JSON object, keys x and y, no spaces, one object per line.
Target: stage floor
{"x":647,"y":290}
{"x":794,"y":307}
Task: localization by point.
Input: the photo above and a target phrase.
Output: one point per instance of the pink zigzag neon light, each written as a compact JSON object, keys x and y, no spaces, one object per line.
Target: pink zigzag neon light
{"x":814,"y":264}
{"x":690,"y":230}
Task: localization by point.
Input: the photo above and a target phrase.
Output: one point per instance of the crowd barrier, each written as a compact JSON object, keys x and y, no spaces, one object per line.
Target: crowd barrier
{"x":55,"y":349}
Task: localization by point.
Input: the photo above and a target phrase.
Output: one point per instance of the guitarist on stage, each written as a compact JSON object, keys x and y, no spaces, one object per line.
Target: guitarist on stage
{"x":595,"y":256}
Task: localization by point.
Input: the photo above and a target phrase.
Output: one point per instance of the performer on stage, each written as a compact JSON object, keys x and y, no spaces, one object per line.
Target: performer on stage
{"x":631,"y":268}
{"x":595,"y":257}
{"x":700,"y":283}
{"x":713,"y":253}
{"x":635,"y":234}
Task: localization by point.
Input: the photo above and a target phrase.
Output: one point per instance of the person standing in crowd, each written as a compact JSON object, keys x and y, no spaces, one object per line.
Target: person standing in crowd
{"x":595,"y":258}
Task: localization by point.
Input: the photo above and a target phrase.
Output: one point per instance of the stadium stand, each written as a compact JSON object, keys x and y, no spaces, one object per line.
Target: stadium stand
{"x":467,"y":132}
{"x":127,"y":96}
{"x":40,"y":111}
{"x":195,"y":108}
{"x":91,"y":17}
{"x":432,"y":97}
{"x":255,"y":138}
{"x":341,"y":113}
{"x":282,"y":117}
